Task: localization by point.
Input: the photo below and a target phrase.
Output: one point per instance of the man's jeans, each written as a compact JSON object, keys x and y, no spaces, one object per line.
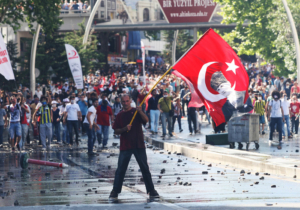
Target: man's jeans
{"x":102,"y":131}
{"x":56,"y":126}
{"x":184,"y":102}
{"x":295,"y":123}
{"x":46,"y":132}
{"x":91,"y":136}
{"x":65,"y":135}
{"x":24,"y":135}
{"x":278,"y":121}
{"x":72,"y":124}
{"x":192,"y":119}
{"x":124,"y":158}
{"x":287,"y":121}
{"x":1,"y":134}
{"x":154,"y":117}
{"x":165,"y":116}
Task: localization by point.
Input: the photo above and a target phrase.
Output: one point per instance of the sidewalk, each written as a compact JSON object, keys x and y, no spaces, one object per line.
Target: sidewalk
{"x":268,"y":159}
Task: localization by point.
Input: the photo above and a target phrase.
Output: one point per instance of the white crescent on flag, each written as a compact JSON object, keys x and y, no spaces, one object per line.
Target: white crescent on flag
{"x":75,"y":65}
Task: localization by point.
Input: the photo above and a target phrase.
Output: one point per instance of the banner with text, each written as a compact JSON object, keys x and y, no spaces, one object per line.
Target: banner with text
{"x":156,"y":12}
{"x":75,"y":65}
{"x":5,"y":65}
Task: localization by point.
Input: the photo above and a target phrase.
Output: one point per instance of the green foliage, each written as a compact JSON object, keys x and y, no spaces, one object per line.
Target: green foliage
{"x":46,"y":13}
{"x":268,"y":33}
{"x":89,"y":55}
{"x":152,"y":34}
{"x":184,"y":42}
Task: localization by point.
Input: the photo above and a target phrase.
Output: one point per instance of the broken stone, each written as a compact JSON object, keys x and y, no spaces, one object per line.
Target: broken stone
{"x":204,"y":172}
{"x":158,"y":181}
{"x":114,"y":144}
{"x":256,"y":182}
{"x":256,"y":173}
{"x":249,"y":173}
{"x":108,"y":157}
{"x":273,"y":186}
{"x":185,"y":184}
{"x":212,"y":179}
{"x":267,"y":174}
{"x":186,"y":170}
{"x":242,"y":172}
{"x":178,"y":153}
{"x":164,"y":161}
{"x":180,"y":183}
{"x":209,"y":165}
{"x":205,"y":179}
{"x":169,"y":153}
{"x":109,"y":167}
{"x":295,"y":166}
{"x":16,"y":203}
{"x":43,"y":191}
{"x":251,"y":185}
{"x":296,"y":150}
{"x":89,"y":190}
{"x":179,"y":161}
{"x":218,"y":172}
{"x":131,"y":184}
{"x":159,"y":177}
{"x":295,"y":177}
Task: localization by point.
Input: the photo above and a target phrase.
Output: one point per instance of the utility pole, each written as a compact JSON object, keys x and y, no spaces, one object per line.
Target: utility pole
{"x":295,"y":36}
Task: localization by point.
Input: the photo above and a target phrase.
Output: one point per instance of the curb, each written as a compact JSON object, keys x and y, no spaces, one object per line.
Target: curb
{"x":242,"y":160}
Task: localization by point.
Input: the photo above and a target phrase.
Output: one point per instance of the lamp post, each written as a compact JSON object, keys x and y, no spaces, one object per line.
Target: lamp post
{"x":295,"y":36}
{"x":32,"y":58}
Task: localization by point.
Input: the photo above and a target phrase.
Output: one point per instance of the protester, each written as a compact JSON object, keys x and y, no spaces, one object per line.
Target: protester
{"x":165,"y":106}
{"x":132,"y":143}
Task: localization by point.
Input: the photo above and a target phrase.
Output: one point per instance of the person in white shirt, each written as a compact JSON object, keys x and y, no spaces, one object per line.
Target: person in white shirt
{"x":38,"y":92}
{"x":72,"y":115}
{"x":286,"y":115}
{"x":89,"y":125}
{"x":275,"y":113}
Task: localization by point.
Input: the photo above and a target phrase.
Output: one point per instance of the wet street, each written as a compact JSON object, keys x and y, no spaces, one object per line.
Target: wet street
{"x":183,"y":183}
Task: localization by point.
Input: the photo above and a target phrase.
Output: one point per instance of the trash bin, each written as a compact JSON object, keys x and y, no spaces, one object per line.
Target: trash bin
{"x":244,"y":128}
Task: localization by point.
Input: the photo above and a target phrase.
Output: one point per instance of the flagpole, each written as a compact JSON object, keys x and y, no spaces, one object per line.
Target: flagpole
{"x":150,"y":92}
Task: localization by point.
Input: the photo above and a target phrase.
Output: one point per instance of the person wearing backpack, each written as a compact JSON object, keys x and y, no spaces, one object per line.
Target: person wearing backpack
{"x":165,"y":107}
{"x":275,"y":116}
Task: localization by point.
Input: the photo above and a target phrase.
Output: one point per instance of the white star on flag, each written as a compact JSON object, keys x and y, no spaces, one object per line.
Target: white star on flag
{"x":232,"y":66}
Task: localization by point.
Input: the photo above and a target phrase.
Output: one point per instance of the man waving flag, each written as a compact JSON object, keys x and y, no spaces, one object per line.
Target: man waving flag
{"x":218,"y":76}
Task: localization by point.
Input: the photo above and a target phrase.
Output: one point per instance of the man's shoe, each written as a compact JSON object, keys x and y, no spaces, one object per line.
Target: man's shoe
{"x":163,"y":136}
{"x":152,"y":132}
{"x":290,"y":137}
{"x":153,"y":194}
{"x":180,"y":130}
{"x":91,"y":153}
{"x":113,"y":195}
{"x":283,"y":137}
{"x":263,"y":133}
{"x":1,"y":145}
{"x":170,"y":134}
{"x":104,"y":147}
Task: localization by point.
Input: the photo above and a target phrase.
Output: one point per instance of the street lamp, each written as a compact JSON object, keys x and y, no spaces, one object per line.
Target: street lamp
{"x":295,"y":36}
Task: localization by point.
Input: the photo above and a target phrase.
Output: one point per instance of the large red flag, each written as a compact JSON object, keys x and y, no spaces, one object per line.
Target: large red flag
{"x":195,"y":99}
{"x":218,"y":76}
{"x":112,"y":80}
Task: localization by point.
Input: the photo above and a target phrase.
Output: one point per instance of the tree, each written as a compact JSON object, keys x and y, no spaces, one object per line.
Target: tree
{"x":184,"y":42}
{"x":268,"y":32}
{"x":89,"y":55}
{"x":46,"y":13}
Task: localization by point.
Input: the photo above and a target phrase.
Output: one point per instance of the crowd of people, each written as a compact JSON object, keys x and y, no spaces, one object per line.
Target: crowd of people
{"x":58,"y":110}
{"x":75,"y":6}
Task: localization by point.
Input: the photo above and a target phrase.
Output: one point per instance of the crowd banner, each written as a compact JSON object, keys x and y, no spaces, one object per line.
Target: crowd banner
{"x":75,"y":65}
{"x":5,"y":64}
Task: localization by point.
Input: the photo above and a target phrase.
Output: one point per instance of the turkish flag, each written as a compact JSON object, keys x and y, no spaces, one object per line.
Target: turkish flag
{"x":218,"y":76}
{"x":112,"y":80}
{"x":195,"y":99}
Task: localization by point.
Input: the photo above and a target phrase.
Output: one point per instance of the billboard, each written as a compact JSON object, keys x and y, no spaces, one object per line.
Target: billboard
{"x":153,"y":12}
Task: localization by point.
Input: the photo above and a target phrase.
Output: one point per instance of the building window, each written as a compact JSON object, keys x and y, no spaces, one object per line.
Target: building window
{"x":113,"y":5}
{"x":108,"y":5}
{"x":102,"y":4}
{"x":102,"y":14}
{"x":146,"y":14}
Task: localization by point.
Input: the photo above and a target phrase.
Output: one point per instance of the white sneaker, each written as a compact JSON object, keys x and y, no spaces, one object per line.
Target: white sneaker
{"x":273,"y":142}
